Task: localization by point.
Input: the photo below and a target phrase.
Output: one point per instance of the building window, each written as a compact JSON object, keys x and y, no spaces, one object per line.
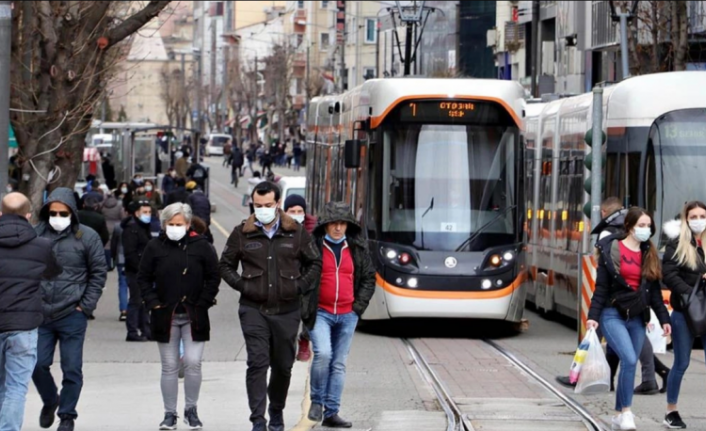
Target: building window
{"x":300,"y":5}
{"x":369,"y":73}
{"x":324,"y":5}
{"x":325,"y":41}
{"x":371,"y":31}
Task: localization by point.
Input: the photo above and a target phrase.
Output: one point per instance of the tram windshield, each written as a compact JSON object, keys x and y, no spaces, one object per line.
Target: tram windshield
{"x":680,"y":156}
{"x":448,"y":182}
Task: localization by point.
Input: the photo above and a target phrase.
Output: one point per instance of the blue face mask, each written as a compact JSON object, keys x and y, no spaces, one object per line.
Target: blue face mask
{"x":146,"y":219}
{"x":334,"y":241}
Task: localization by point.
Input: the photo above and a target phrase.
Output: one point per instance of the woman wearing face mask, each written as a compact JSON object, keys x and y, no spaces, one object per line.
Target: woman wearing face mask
{"x":124,"y":193}
{"x":684,"y":264}
{"x":627,"y":286}
{"x":179,"y":281}
{"x":154,"y":196}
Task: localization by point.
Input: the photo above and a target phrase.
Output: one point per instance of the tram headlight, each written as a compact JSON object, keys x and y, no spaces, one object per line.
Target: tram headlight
{"x":404,"y":258}
{"x":391,"y":254}
{"x":495,"y":260}
{"x":412,"y":282}
{"x":499,"y":259}
{"x":486,"y":284}
{"x":508,"y":256}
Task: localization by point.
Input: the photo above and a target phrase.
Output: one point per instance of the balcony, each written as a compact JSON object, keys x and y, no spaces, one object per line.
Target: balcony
{"x":298,"y":101}
{"x":299,"y":60}
{"x":300,"y":14}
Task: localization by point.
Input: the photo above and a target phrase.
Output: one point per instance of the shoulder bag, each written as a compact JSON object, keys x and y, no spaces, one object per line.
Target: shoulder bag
{"x":695,"y":308}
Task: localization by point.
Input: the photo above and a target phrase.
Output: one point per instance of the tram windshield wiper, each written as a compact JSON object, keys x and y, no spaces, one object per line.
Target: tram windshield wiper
{"x":475,"y":234}
{"x":431,"y":207}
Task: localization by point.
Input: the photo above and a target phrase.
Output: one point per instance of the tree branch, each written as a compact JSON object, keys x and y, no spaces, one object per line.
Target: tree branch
{"x":135,"y":22}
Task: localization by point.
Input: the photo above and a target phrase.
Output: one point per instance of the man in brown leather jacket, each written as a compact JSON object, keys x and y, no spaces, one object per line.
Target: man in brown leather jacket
{"x":280,"y":264}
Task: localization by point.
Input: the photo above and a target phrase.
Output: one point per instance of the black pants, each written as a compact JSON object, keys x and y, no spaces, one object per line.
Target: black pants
{"x":270,"y":342}
{"x":138,"y":318}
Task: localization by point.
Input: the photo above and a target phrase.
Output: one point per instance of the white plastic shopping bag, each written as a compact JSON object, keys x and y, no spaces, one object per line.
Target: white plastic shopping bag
{"x":655,"y":334}
{"x":594,"y":377}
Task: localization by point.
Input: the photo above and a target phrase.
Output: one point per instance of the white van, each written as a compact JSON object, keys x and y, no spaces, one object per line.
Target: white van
{"x":292,"y":186}
{"x":215,"y":144}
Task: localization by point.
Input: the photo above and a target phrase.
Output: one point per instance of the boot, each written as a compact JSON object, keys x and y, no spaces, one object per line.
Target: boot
{"x":663,"y":371}
{"x":613,"y":361}
{"x":133,"y":324}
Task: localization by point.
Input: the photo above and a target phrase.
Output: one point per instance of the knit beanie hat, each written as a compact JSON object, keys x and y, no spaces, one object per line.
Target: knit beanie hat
{"x":295,"y":201}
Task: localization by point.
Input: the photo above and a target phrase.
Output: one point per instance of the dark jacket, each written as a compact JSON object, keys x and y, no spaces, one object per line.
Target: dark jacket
{"x":275,"y":271}
{"x":197,"y":173}
{"x":364,"y":270}
{"x":236,"y":158}
{"x":310,"y":223}
{"x":79,"y":251}
{"x":178,"y":195}
{"x":614,"y":223}
{"x":173,"y":272}
{"x":200,"y":205}
{"x":680,"y":279}
{"x":95,"y":221}
{"x":168,"y":184}
{"x":610,"y":283}
{"x":26,"y":261}
{"x":135,"y":236}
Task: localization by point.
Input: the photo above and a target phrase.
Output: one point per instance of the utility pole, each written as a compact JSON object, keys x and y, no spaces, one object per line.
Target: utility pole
{"x":213,"y":103}
{"x":307,"y":79}
{"x":5,"y":41}
{"x":182,"y":119}
{"x":624,"y":17}
{"x":199,"y":102}
{"x":254,"y":100}
{"x":534,"y":50}
{"x":408,"y":49}
{"x":225,"y":87}
{"x":377,"y":49}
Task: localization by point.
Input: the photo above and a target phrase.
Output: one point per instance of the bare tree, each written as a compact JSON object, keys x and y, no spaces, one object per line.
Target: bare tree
{"x":278,"y":74}
{"x":62,"y":57}
{"x":175,"y":94}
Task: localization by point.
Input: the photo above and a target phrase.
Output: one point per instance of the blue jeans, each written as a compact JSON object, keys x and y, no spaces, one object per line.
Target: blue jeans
{"x":70,"y":332}
{"x":683,"y":341}
{"x":331,"y":341}
{"x":626,"y":338}
{"x":122,"y":288}
{"x":18,"y":356}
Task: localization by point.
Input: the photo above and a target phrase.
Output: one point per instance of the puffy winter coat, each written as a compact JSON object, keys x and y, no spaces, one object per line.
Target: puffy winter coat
{"x":135,"y":237}
{"x":183,"y":272}
{"x":363,"y":272}
{"x":26,"y":261}
{"x":113,"y":212}
{"x":200,"y":205}
{"x":680,"y":279}
{"x":80,"y":253}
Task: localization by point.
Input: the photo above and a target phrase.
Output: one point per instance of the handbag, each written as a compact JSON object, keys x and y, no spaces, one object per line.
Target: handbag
{"x":695,"y":309}
{"x":632,"y":304}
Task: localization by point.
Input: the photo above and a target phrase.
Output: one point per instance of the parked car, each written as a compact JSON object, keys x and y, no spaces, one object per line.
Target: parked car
{"x":216,"y":141}
{"x":292,"y":186}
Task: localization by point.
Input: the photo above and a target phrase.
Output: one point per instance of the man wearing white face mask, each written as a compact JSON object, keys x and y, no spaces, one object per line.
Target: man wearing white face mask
{"x":68,"y":302}
{"x":280,"y":264}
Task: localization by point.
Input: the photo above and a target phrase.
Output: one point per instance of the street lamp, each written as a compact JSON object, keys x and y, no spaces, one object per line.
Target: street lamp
{"x":624,"y":17}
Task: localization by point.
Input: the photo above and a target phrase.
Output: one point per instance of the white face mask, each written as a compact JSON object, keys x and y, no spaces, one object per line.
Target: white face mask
{"x":642,"y":234}
{"x":123,"y":190}
{"x":60,"y":223}
{"x":265,"y":215}
{"x":176,"y":233}
{"x":697,"y":226}
{"x":148,"y":188}
{"x":299,"y":218}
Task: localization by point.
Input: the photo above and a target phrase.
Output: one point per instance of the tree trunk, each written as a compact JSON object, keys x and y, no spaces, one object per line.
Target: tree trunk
{"x":655,"y":30}
{"x":680,"y":34}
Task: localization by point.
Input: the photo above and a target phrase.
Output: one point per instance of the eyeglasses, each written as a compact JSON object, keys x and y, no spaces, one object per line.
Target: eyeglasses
{"x":63,"y":214}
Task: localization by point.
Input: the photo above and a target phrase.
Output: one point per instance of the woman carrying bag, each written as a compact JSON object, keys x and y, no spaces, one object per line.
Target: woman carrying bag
{"x":684,"y":270}
{"x":179,"y":279}
{"x":627,"y":286}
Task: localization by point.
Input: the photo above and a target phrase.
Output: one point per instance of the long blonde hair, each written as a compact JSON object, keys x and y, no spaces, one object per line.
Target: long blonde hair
{"x":686,"y":254}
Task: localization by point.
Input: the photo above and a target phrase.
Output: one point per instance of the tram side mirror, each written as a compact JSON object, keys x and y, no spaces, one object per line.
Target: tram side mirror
{"x":352,"y":153}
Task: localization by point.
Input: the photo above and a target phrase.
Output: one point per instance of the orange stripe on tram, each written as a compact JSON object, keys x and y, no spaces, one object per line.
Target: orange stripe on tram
{"x":432,"y":294}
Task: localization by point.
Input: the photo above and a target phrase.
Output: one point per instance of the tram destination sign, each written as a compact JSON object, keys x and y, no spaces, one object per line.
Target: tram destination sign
{"x":449,"y":111}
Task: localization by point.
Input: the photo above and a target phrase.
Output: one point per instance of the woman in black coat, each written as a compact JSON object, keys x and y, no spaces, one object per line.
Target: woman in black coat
{"x":179,"y":280}
{"x":684,"y":264}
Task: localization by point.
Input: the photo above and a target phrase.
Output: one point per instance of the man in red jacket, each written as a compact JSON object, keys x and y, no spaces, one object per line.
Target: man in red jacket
{"x":332,"y":310}
{"x":295,"y":207}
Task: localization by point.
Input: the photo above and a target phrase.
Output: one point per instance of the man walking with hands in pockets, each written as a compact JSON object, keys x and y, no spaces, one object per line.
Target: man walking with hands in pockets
{"x":280,"y":263}
{"x":26,"y":260}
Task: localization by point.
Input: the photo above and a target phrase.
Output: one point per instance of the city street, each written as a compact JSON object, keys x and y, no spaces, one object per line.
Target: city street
{"x":384,"y":389}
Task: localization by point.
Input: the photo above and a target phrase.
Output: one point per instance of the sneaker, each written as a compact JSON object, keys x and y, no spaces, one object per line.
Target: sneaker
{"x":48,"y":414}
{"x":276,"y":421}
{"x":66,"y":425}
{"x":169,"y":422}
{"x":565,"y":382}
{"x":135,"y":338}
{"x":673,"y":421}
{"x":304,"y":353}
{"x":627,"y":422}
{"x":336,"y":421}
{"x":192,"y":419}
{"x":123,"y":316}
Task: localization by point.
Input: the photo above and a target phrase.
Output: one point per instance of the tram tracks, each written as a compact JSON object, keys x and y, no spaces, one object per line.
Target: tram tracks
{"x":458,"y":421}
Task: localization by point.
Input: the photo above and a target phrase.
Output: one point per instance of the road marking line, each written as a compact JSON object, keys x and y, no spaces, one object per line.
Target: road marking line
{"x":220,"y":228}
